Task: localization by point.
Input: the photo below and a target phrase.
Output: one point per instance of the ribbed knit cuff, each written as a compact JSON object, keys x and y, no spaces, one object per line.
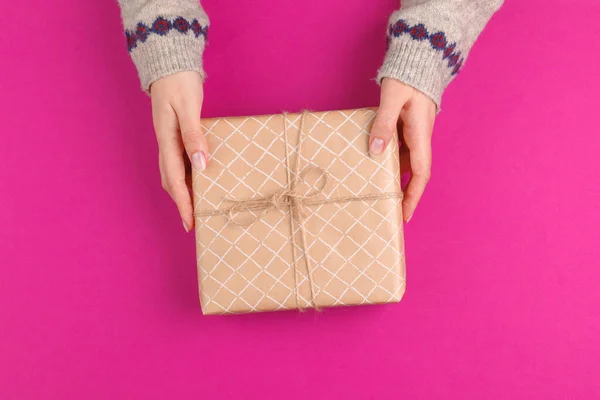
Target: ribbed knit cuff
{"x":160,"y":56}
{"x":417,"y":64}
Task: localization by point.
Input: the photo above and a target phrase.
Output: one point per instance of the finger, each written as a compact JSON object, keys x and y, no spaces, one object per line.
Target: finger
{"x":188,"y":113}
{"x":404,"y":154}
{"x":172,"y":165}
{"x":404,"y":167}
{"x":417,"y":134}
{"x":177,"y":188}
{"x":394,"y":96}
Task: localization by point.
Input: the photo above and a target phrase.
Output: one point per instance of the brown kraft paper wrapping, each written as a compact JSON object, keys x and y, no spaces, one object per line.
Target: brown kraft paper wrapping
{"x":291,"y":212}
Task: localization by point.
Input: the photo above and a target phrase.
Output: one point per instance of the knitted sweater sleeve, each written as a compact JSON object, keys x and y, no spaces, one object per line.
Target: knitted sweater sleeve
{"x":429,"y":41}
{"x":164,"y":36}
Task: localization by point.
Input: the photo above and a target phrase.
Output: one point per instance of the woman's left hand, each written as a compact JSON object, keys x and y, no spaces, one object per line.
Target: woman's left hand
{"x":406,"y":110}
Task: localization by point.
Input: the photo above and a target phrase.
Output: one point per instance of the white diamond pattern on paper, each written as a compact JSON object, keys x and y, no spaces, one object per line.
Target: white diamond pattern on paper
{"x":354,"y":248}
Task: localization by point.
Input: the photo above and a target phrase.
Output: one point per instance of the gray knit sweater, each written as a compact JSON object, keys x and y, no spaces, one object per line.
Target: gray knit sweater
{"x":428,"y":40}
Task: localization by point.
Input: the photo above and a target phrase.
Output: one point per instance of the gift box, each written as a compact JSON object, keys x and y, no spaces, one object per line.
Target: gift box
{"x":293,"y":213}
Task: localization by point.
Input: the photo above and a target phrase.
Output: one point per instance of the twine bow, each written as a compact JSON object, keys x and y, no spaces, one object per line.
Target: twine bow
{"x":290,"y":196}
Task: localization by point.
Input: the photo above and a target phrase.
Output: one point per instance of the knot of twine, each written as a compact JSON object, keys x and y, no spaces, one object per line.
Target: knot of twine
{"x":297,"y":202}
{"x":286,"y":197}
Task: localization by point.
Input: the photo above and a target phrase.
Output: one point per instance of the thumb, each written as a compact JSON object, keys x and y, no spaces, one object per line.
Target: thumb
{"x":393,"y":97}
{"x":192,"y":136}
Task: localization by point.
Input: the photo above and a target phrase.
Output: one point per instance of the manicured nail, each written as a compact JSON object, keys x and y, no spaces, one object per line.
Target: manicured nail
{"x":409,"y":218}
{"x":376,"y":146}
{"x":185,"y":227}
{"x":199,"y":160}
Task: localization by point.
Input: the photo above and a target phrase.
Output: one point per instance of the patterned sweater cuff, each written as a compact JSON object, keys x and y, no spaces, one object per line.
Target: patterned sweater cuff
{"x":165,"y":48}
{"x":422,"y":60}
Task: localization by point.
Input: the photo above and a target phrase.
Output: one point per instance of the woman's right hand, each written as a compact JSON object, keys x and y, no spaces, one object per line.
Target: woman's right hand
{"x":176,"y":106}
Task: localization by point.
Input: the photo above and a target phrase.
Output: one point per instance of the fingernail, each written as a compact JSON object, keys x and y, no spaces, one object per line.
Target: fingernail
{"x":199,"y":160}
{"x":185,"y":226}
{"x":376,"y":146}
{"x":409,"y":218}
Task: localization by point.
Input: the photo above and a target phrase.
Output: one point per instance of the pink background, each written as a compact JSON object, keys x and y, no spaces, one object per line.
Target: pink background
{"x":98,"y":296}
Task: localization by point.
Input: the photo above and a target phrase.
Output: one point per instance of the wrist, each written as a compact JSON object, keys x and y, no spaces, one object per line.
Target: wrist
{"x":166,"y":48}
{"x":427,"y":62}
